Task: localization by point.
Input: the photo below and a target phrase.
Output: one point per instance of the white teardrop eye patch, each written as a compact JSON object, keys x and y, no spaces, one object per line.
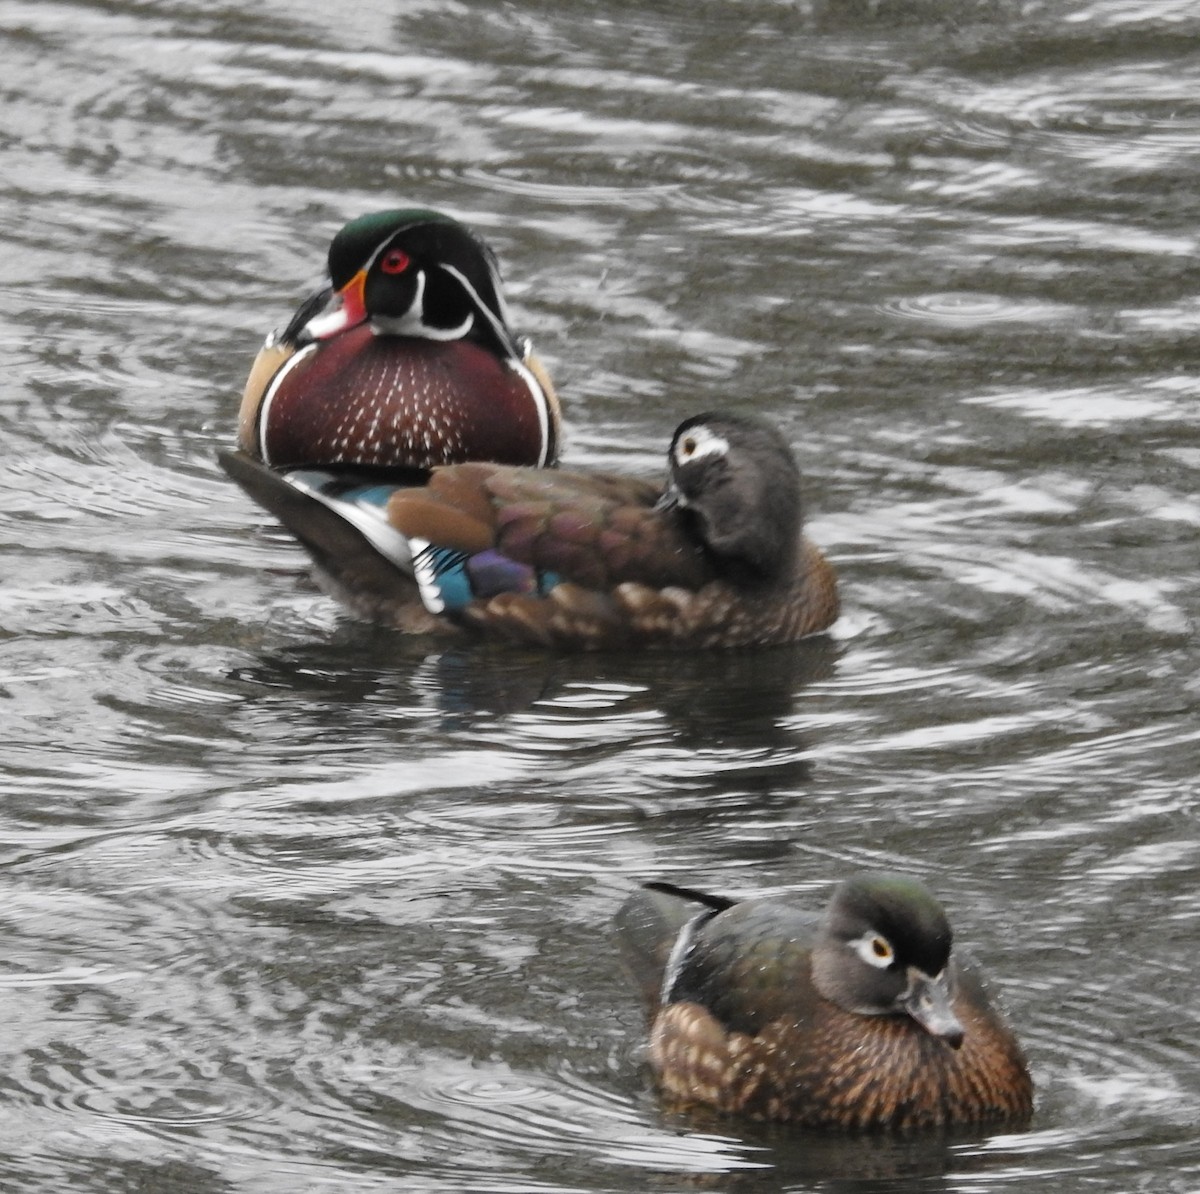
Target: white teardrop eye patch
{"x":875,"y":950}
{"x":699,"y":442}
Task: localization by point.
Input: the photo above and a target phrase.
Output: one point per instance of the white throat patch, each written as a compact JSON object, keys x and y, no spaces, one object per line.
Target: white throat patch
{"x":412,"y":322}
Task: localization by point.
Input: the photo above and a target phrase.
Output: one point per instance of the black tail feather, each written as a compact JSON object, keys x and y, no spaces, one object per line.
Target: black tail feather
{"x":338,"y":548}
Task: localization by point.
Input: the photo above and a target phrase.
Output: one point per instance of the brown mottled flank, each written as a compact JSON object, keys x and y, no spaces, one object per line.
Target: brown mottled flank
{"x":636,"y":577}
{"x":391,"y":401}
{"x":843,"y":1070}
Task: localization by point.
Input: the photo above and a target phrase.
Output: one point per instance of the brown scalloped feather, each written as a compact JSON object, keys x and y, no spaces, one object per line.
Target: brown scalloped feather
{"x":715,"y":614}
{"x":842,"y":1070}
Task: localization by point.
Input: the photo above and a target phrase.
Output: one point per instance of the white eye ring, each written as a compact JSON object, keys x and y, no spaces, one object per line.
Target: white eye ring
{"x":699,"y":442}
{"x":874,"y":949}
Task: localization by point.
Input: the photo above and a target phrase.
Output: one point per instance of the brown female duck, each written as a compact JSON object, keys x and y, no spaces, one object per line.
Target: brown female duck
{"x":716,"y":557}
{"x":861,"y":1018}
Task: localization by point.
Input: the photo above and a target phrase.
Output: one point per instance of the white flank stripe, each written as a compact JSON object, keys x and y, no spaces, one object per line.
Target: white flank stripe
{"x":425,"y":576}
{"x":264,"y":409}
{"x":539,"y":397}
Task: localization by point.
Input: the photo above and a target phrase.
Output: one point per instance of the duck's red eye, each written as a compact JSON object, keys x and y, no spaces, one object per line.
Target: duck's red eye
{"x":395,"y":261}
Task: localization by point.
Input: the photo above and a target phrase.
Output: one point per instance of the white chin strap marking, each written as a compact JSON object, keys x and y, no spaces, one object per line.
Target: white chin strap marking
{"x":412,"y":322}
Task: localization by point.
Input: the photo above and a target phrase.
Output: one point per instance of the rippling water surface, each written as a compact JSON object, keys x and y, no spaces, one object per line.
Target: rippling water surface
{"x":292,"y":903}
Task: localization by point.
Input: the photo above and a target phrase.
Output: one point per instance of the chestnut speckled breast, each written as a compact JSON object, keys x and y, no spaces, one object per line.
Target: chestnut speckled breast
{"x":716,"y":557}
{"x":406,"y":360}
{"x":862,"y":1018}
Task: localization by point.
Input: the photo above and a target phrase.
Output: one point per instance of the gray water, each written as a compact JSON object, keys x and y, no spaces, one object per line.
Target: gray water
{"x":291,"y":903}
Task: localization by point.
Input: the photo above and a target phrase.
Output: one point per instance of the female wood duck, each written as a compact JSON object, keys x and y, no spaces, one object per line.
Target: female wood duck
{"x":716,"y":558}
{"x":405,"y":360}
{"x":861,"y":1018}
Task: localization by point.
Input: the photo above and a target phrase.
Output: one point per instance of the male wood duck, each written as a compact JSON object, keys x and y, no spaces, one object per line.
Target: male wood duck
{"x":405,"y":360}
{"x":715,"y":558}
{"x":858,"y":1019}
